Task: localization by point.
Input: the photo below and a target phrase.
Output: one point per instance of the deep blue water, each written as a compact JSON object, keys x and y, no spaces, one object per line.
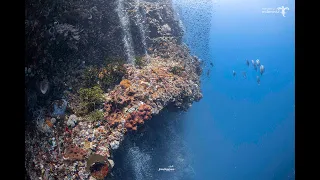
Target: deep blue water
{"x":239,"y":130}
{"x":242,"y":130}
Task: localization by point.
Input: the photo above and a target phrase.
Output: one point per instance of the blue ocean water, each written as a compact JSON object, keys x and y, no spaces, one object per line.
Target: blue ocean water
{"x":239,"y":130}
{"x":242,"y":130}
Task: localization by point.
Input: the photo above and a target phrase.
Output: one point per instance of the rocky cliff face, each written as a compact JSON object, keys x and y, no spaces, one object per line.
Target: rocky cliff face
{"x":96,"y":70}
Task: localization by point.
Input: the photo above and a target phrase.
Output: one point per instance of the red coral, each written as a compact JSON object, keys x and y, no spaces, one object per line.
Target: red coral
{"x":138,"y":117}
{"x":73,"y":153}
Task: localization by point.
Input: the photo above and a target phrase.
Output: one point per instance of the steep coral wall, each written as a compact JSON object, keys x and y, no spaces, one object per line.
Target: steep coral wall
{"x":84,"y":93}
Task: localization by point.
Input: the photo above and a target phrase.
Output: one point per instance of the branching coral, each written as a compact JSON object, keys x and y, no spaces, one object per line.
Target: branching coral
{"x":138,"y":117}
{"x":74,"y":153}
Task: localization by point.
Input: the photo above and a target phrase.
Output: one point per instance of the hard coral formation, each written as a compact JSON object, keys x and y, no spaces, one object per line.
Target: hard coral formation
{"x":138,"y":117}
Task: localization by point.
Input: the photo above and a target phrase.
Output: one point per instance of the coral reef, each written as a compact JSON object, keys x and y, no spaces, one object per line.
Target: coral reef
{"x":89,"y":82}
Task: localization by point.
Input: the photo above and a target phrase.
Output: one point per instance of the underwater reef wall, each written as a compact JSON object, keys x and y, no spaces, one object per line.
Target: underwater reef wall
{"x":84,"y":93}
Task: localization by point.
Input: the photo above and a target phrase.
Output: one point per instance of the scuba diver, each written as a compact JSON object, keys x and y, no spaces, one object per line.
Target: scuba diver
{"x":248,"y":63}
{"x":234,"y":73}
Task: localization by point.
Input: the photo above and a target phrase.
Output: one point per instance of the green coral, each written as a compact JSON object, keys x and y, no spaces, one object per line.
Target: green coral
{"x":95,"y":115}
{"x":90,"y":98}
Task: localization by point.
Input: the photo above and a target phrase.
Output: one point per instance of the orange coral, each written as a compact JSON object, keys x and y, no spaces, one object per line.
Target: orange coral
{"x":138,"y":117}
{"x":125,"y":83}
{"x":73,"y":152}
{"x":114,"y":117}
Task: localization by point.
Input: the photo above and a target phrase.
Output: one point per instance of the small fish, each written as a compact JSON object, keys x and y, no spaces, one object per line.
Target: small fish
{"x":244,"y":74}
{"x":253,"y":63}
{"x":258,"y":80}
{"x":258,"y":62}
{"x":234,"y":73}
{"x":211,"y":64}
{"x":261,"y":69}
{"x":248,"y":63}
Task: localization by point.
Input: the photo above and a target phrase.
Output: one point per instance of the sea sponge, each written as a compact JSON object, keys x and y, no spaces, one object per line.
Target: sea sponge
{"x":93,"y":159}
{"x":125,"y":83}
{"x":99,"y":170}
{"x":74,"y":153}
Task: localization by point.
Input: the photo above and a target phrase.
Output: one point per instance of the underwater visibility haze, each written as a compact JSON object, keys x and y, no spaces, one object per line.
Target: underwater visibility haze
{"x":240,"y":127}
